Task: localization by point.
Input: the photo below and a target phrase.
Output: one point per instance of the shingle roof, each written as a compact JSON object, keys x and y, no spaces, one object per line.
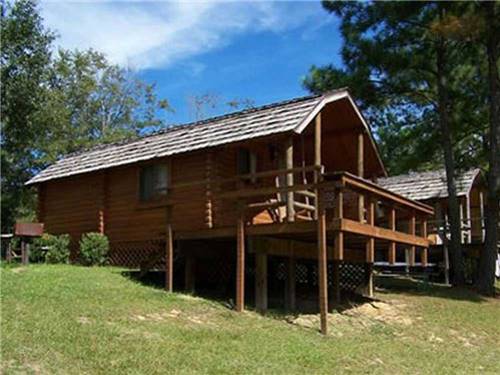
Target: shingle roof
{"x":422,"y":186}
{"x":271,"y":119}
{"x":287,"y":116}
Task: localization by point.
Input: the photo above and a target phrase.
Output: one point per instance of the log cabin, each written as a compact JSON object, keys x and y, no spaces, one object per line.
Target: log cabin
{"x":270,"y":200}
{"x":430,"y":187}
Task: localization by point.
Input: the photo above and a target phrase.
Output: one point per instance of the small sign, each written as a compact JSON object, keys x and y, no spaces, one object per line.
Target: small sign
{"x":28,"y":229}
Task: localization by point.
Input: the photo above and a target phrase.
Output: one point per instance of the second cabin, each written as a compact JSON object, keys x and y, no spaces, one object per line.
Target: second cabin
{"x":282,"y":195}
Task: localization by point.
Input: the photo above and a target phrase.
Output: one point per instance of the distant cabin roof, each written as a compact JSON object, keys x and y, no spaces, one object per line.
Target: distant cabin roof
{"x":422,"y":186}
{"x":287,"y":116}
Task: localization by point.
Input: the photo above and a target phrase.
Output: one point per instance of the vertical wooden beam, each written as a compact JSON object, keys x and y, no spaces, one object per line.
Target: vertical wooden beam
{"x":412,"y":248}
{"x":360,"y":172}
{"x":317,"y":155}
{"x":481,"y":210}
{"x":369,"y":279}
{"x":169,"y":261}
{"x":290,"y":279}
{"x":468,"y":221}
{"x":261,"y":282}
{"x":290,"y":209}
{"x":370,"y":242}
{"x":360,"y":158}
{"x":424,"y":250}
{"x":392,"y":244}
{"x":322,"y":269}
{"x":240,"y":262}
{"x":338,"y":253}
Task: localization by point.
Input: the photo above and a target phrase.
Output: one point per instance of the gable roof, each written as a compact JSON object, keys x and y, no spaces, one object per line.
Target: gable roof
{"x":287,"y":116}
{"x":422,"y":186}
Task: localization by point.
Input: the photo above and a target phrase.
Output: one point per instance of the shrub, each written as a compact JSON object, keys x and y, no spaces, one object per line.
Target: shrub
{"x":51,"y":249}
{"x":94,"y":249}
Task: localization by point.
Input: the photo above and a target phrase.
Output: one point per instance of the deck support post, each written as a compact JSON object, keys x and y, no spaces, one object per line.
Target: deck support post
{"x":317,"y":155}
{"x":290,"y":300}
{"x":290,"y":208}
{"x":369,"y":279}
{"x":392,"y":244}
{"x":360,"y":172}
{"x":240,"y":263}
{"x":169,"y":260}
{"x":338,"y":253}
{"x":261,"y":282}
{"x":370,"y":249}
{"x":322,"y":268}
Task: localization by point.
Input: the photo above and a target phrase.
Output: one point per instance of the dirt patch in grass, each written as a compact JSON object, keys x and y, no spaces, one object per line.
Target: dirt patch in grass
{"x":364,"y":315}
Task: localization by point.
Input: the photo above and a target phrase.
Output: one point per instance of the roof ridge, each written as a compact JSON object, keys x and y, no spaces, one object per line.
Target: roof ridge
{"x":183,"y":126}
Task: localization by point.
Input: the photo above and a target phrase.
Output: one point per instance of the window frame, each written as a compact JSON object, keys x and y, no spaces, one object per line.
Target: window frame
{"x":155,"y":197}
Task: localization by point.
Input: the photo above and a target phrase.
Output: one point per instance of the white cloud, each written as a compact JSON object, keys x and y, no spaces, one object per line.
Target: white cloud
{"x":157,"y":34}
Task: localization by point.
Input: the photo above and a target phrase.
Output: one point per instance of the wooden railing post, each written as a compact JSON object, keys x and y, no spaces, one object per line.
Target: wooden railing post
{"x":370,"y":249}
{"x":424,"y":250}
{"x":412,"y":248}
{"x":290,"y":208}
{"x":338,"y":253}
{"x":240,"y":262}
{"x":322,"y":266}
{"x":392,"y":244}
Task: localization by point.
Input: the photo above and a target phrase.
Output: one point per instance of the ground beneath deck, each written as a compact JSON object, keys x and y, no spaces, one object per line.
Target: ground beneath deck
{"x":70,"y":319}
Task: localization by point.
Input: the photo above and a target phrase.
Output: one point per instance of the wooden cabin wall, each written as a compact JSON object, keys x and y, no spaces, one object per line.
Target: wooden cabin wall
{"x":70,"y":206}
{"x":476,"y":212}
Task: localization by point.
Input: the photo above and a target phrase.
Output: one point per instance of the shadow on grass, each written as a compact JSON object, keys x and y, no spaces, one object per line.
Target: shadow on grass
{"x":408,"y":286}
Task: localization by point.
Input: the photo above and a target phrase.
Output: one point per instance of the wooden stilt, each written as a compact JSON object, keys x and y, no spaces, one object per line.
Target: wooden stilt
{"x":322,"y":270}
{"x":169,"y":263}
{"x":261,"y":282}
{"x":369,"y":279}
{"x":240,"y":264}
{"x":338,"y":253}
{"x":317,"y":155}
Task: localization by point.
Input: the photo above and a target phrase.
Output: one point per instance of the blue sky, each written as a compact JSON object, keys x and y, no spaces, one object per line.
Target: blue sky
{"x":233,"y":50}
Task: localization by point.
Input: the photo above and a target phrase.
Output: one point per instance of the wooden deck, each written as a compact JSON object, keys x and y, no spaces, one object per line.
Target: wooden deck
{"x":348,"y":214}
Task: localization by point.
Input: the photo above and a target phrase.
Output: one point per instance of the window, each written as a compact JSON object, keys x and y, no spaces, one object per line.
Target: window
{"x":247,"y":162}
{"x":153,"y":182}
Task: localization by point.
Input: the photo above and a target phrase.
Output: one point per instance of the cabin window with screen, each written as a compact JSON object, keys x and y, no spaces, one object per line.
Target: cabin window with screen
{"x":247,"y":163}
{"x":153,"y":181}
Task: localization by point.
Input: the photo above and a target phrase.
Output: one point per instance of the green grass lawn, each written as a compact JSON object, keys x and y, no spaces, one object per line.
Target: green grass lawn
{"x":75,"y":320}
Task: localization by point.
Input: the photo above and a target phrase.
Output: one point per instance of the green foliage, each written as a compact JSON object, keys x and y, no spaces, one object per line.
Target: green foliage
{"x":25,"y":60}
{"x":56,"y":103}
{"x":51,"y":249}
{"x":94,"y":248}
{"x":389,"y":58}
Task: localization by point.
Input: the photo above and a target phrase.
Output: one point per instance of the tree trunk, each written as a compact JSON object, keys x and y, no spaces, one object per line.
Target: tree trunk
{"x":453,"y":206}
{"x":486,"y":280}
